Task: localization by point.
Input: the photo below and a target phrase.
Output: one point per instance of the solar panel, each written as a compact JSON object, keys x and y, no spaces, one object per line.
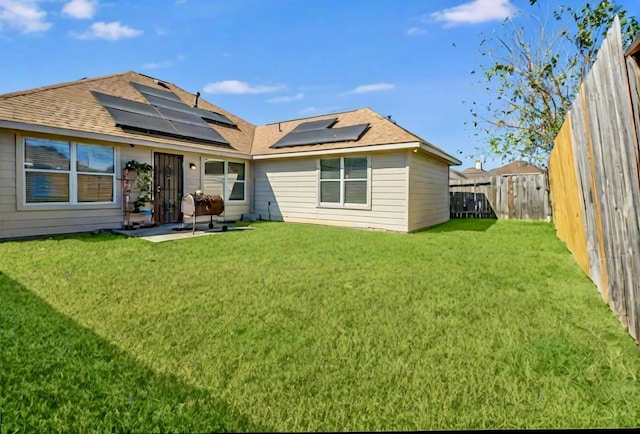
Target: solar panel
{"x":126,"y":119}
{"x":125,"y":104}
{"x":205,"y":133}
{"x":315,"y":125}
{"x":167,"y":103}
{"x":320,"y":136}
{"x":214,"y":117}
{"x":147,"y":90}
{"x":180,"y":116}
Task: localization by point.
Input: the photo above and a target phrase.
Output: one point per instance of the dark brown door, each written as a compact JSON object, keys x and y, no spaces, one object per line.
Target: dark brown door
{"x":167,"y":180}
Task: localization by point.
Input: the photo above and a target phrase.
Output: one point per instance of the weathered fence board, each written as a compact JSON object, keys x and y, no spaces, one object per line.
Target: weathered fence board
{"x":594,"y":180}
{"x":522,"y":196}
{"x":566,"y":197}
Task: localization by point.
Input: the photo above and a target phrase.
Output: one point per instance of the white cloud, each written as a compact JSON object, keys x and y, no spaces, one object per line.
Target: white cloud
{"x":25,"y":16}
{"x":80,"y":9}
{"x":308,"y":110}
{"x":476,"y":11}
{"x":156,"y":65}
{"x":291,"y":98}
{"x":164,"y":63}
{"x":377,"y":87}
{"x":239,"y":87}
{"x":415,"y":31}
{"x":109,"y":31}
{"x":311,"y":110}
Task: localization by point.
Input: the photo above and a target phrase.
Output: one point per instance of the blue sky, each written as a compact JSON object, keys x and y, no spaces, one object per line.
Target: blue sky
{"x":273,"y":60}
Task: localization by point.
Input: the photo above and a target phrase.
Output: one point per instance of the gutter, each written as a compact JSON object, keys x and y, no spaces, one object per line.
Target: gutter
{"x":429,"y":149}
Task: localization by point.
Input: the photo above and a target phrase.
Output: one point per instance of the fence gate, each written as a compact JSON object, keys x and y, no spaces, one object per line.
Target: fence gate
{"x":523,"y":197}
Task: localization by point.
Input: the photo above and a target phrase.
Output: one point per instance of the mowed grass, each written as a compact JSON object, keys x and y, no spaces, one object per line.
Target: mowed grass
{"x":470,"y":325}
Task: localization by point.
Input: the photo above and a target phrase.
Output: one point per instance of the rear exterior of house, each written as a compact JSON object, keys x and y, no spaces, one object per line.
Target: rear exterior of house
{"x":91,"y":199}
{"x":64,"y":149}
{"x":62,"y":158}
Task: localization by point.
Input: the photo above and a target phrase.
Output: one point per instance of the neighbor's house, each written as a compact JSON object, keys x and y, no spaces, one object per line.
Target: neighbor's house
{"x":63,"y":149}
{"x":471,"y":172}
{"x":517,"y":167}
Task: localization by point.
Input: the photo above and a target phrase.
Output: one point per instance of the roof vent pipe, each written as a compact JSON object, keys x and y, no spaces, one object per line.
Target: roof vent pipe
{"x":195,"y":100}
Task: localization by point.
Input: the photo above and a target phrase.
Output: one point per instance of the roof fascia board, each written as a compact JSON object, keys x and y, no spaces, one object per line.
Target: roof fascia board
{"x":115,"y":139}
{"x":350,"y":150}
{"x":430,"y":149}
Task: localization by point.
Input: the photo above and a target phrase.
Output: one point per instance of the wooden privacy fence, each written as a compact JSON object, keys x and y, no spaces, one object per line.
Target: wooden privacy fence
{"x":522,"y":196}
{"x":593,"y":175}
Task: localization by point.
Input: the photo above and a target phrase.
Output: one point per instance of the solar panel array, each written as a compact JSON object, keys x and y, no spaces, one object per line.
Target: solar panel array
{"x":159,"y":120}
{"x":320,"y":132}
{"x":167,"y":115}
{"x":163,"y":98}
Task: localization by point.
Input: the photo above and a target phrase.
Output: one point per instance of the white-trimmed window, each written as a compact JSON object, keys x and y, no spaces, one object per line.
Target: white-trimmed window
{"x":226,"y":178}
{"x":345,"y":181}
{"x":59,"y":172}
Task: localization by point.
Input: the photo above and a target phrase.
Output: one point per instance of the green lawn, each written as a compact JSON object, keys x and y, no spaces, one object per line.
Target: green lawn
{"x":473,"y":324}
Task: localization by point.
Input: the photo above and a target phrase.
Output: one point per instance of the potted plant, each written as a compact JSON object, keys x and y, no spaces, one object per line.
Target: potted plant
{"x":143,"y":183}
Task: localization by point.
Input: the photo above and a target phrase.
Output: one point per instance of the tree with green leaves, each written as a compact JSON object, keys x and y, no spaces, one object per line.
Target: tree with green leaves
{"x":533,"y":74}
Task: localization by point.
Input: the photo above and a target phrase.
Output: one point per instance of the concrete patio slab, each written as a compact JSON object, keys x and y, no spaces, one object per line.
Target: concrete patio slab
{"x":176,"y":231}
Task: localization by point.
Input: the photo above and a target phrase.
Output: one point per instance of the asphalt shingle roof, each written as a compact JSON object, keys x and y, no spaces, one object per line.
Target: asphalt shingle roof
{"x":71,"y":107}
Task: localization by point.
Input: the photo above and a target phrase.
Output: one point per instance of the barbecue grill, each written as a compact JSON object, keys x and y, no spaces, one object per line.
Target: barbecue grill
{"x":194,"y":205}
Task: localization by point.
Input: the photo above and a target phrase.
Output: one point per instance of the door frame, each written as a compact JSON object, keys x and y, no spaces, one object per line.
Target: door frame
{"x":161,"y":214}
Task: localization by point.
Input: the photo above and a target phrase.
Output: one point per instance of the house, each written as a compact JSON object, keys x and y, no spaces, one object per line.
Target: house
{"x":63,"y":149}
{"x":470,"y":172}
{"x":454,"y":175}
{"x":517,"y":167}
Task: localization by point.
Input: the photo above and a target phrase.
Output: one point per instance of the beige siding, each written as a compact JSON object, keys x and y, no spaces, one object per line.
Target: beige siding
{"x":7,"y":179}
{"x":33,"y":222}
{"x":232,"y":210}
{"x":139,"y":153}
{"x":16,"y":223}
{"x":428,"y":192}
{"x":291,"y":188}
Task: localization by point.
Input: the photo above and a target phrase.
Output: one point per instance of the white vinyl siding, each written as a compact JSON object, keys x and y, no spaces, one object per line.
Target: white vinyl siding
{"x":288,"y":190}
{"x":428,"y":192}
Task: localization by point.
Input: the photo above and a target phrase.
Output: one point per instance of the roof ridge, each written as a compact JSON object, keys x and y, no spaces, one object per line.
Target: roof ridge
{"x":316,"y":116}
{"x":60,"y":85}
{"x":420,"y":139}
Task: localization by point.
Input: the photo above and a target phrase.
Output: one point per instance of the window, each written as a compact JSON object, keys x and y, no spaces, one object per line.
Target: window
{"x":344,"y":181}
{"x":65,"y":172}
{"x":225,"y":178}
